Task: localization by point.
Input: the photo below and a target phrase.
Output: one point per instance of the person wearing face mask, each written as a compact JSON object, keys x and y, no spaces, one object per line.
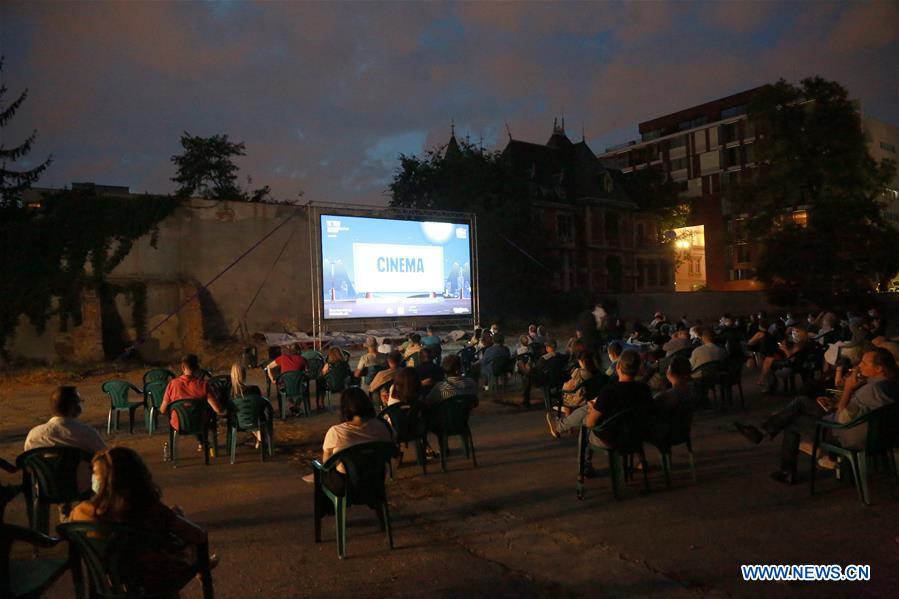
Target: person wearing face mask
{"x":64,"y":429}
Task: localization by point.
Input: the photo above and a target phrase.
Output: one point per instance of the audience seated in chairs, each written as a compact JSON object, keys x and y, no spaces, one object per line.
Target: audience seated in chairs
{"x":430,"y":338}
{"x":536,"y":372}
{"x":574,"y":390}
{"x":708,"y":351}
{"x":358,"y":424}
{"x":370,"y":358}
{"x":406,"y":387}
{"x":454,"y":383}
{"x":189,"y":386}
{"x":872,"y":384}
{"x":496,"y":349}
{"x":623,"y":394}
{"x":429,"y":372}
{"x":664,"y":402}
{"x":382,"y":378}
{"x":240,"y":388}
{"x":288,"y":361}
{"x":64,"y":429}
{"x":413,"y":347}
{"x":789,"y":351}
{"x":679,"y":341}
{"x":339,"y":369}
{"x":124,"y":493}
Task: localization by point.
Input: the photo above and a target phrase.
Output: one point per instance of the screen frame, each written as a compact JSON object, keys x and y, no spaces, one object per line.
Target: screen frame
{"x":320,"y":321}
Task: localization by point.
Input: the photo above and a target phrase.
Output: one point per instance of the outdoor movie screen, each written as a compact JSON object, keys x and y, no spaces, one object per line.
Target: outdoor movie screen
{"x":378,"y":267}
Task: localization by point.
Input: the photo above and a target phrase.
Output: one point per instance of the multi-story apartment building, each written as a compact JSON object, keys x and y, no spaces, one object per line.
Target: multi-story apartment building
{"x":703,"y":149}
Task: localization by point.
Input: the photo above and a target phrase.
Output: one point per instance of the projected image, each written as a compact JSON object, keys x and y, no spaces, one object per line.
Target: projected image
{"x":375,"y":268}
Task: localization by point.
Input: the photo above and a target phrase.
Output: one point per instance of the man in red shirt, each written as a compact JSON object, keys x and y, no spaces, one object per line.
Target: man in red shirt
{"x":189,"y":386}
{"x":288,"y":361}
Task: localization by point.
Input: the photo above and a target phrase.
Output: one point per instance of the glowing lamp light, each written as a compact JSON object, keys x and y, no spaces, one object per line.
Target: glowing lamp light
{"x":682,"y":244}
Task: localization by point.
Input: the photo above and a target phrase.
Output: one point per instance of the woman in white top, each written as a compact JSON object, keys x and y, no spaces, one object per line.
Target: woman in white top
{"x":358,"y":425}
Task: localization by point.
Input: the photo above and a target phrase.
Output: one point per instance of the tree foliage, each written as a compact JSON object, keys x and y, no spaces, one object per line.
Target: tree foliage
{"x":77,"y":239}
{"x":656,"y":193}
{"x":813,"y":156}
{"x":514,"y":272}
{"x":206,"y":168}
{"x":12,"y":181}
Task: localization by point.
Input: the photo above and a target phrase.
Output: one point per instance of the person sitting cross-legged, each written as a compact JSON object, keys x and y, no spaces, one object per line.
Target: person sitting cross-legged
{"x":625,"y":393}
{"x":536,"y":373}
{"x":574,"y":390}
{"x":873,"y":384}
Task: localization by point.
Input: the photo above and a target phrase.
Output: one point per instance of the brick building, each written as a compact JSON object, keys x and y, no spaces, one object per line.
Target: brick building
{"x":598,"y":235}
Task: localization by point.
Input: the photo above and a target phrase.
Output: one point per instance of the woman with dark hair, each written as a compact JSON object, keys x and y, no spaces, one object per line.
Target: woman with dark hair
{"x":357,"y":425}
{"x":406,"y":387}
{"x":124,"y":493}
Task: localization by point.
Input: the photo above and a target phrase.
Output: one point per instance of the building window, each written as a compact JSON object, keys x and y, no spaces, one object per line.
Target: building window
{"x":733,"y":111}
{"x":564,"y":228}
{"x":800,"y":217}
{"x":611,"y":229}
{"x":729,"y":133}
{"x":641,"y":274}
{"x":677,"y":142}
{"x":741,"y":274}
{"x":678,"y":164}
{"x":731,"y":157}
{"x":653,"y":273}
{"x":693,"y":123}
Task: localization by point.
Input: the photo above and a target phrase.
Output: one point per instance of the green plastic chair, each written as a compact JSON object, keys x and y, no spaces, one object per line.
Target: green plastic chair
{"x":221,"y":387}
{"x":627,"y":429}
{"x":7,"y":492}
{"x":50,"y":476}
{"x":118,"y":390}
{"x":337,"y":379}
{"x":154,"y":391}
{"x":449,"y":418}
{"x":251,"y":413}
{"x":882,"y":439}
{"x":293,"y":389}
{"x":157,"y":374}
{"x":364,"y":464}
{"x":496,"y":376}
{"x":194,"y":418}
{"x":27,"y":579}
{"x":408,"y":424}
{"x":711,"y":376}
{"x":113,"y":555}
{"x":676,"y":424}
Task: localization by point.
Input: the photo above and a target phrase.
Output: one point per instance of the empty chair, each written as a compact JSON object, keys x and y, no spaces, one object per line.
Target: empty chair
{"x":449,"y":418}
{"x":154,"y":391}
{"x":118,"y":391}
{"x":27,"y":577}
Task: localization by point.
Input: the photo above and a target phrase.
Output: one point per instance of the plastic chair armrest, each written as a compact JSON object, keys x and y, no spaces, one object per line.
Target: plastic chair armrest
{"x":6,"y":466}
{"x":38,"y":539}
{"x":836,"y":425}
{"x":318,"y":465}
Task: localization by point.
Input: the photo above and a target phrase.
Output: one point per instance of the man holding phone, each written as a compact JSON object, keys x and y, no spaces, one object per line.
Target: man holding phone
{"x":874,"y":383}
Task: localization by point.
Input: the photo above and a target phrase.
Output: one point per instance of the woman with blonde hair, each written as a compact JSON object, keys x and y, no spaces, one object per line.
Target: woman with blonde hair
{"x":240,"y":388}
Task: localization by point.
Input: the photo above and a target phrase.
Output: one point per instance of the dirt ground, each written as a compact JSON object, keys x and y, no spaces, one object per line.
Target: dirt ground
{"x":513,"y":526}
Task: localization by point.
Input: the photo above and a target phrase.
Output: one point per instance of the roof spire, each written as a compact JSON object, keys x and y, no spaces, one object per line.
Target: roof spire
{"x":452,"y":127}
{"x":509,"y":131}
{"x":583,"y":135}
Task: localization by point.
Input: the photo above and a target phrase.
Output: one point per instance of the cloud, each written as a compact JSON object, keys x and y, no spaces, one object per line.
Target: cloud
{"x":325,"y":95}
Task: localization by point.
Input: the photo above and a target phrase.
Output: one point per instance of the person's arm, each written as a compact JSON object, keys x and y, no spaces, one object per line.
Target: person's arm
{"x":853,"y":383}
{"x":271,"y":369}
{"x":166,"y":398}
{"x":326,"y":368}
{"x":593,"y":415}
{"x":187,"y":530}
{"x":213,"y":401}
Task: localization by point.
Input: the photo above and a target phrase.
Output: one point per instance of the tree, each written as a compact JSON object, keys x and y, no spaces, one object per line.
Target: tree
{"x":813,"y":156}
{"x":658,"y":194}
{"x":513,"y":271}
{"x":206,"y":168}
{"x":14,"y":182}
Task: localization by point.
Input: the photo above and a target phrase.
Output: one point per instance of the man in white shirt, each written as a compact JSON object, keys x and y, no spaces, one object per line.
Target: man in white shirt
{"x":64,"y":428}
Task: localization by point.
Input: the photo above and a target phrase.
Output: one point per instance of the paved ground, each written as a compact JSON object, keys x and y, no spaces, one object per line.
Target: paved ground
{"x":512,"y":527}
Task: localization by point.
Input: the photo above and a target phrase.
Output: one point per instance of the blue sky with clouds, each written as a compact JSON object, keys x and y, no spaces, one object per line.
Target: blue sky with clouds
{"x":325,"y":95}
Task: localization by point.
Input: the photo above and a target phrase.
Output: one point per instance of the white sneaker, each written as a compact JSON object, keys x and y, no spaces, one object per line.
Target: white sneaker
{"x":309,"y":478}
